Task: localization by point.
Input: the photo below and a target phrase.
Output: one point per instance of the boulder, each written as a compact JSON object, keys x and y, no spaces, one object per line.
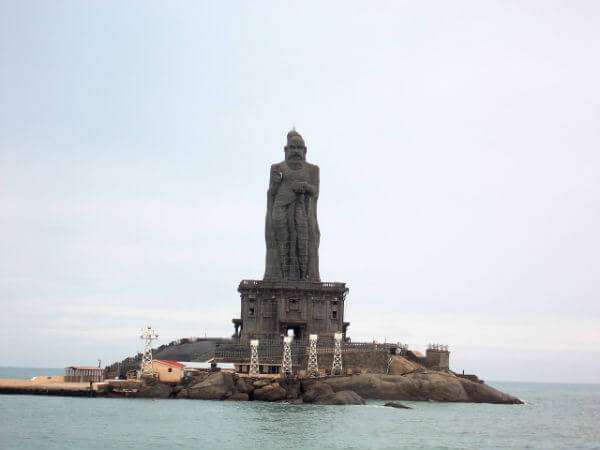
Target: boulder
{"x":341,"y":398}
{"x":414,"y":386}
{"x":152,"y":388}
{"x":292,"y":389}
{"x":218,"y":386}
{"x":239,"y":397}
{"x":397,"y":405}
{"x":197,"y":378}
{"x":183,"y":393}
{"x":402,"y":366}
{"x":243,"y":387}
{"x":315,"y":391}
{"x":419,"y":386}
{"x":482,"y":393}
{"x":270,"y":393}
{"x":261,"y":383}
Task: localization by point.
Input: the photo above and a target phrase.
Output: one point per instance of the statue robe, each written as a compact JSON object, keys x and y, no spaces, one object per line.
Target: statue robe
{"x":291,"y":230}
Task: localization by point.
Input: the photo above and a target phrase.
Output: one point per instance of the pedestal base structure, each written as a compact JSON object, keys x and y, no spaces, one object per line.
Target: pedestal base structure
{"x":269,"y":309}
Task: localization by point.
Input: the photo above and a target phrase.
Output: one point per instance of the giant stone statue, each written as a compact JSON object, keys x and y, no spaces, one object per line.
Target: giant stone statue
{"x":291,"y":298}
{"x":292,"y":231}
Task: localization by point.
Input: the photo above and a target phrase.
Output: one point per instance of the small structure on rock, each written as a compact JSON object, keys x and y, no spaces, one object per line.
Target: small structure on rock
{"x":166,"y":371}
{"x":83,"y":374}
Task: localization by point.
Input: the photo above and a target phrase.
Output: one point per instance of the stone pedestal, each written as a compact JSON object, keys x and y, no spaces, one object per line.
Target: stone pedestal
{"x":270,"y":308}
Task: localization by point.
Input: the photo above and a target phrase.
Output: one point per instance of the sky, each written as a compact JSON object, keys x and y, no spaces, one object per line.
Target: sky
{"x":458,"y":144}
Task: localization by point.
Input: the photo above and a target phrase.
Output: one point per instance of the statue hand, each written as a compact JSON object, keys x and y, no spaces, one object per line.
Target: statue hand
{"x":298,"y":187}
{"x":276,"y":176}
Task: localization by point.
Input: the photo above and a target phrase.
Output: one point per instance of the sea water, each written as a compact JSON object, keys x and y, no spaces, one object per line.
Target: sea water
{"x":554,"y":416}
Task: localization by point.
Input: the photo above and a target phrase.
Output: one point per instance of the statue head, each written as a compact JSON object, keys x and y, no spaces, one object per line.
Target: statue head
{"x":295,"y":150}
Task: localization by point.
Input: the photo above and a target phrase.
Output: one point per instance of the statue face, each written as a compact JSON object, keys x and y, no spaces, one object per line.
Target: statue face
{"x":295,"y":150}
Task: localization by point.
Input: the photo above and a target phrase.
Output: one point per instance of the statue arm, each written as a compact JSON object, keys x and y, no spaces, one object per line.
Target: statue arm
{"x":316,"y":182}
{"x":274,"y":182}
{"x":313,"y":189}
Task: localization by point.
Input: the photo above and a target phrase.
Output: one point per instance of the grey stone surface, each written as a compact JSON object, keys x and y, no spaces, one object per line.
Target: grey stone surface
{"x":217,"y":386}
{"x":270,"y":393}
{"x":397,"y":405}
{"x":292,"y":389}
{"x":315,"y":391}
{"x":424,"y":386}
{"x":261,"y":383}
{"x":291,"y":229}
{"x":189,"y":351}
{"x":243,"y":387}
{"x":341,"y":398}
{"x":238,"y":397}
{"x":482,"y":393}
{"x":152,"y":388}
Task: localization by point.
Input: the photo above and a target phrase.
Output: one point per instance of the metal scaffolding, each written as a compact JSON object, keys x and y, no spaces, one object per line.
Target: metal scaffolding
{"x":254,"y":369}
{"x":336,"y":367}
{"x":148,"y":335}
{"x":286,"y":363}
{"x":312,"y":369}
{"x":389,"y":364}
{"x":438,"y":347}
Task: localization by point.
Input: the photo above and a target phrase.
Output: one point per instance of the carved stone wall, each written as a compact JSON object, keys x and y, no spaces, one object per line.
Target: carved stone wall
{"x":270,"y":308}
{"x":437,"y":359}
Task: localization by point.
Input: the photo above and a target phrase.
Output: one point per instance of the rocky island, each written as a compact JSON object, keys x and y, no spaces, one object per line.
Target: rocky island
{"x":405,"y":382}
{"x":291,"y":326}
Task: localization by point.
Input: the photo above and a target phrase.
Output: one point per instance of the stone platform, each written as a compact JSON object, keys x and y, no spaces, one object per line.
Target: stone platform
{"x":269,"y":308}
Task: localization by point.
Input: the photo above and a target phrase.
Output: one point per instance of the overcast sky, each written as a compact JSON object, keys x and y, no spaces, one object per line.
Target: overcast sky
{"x":459,"y":146}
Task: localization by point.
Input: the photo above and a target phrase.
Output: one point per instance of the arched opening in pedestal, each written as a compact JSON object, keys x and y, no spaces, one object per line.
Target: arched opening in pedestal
{"x":294,"y":330}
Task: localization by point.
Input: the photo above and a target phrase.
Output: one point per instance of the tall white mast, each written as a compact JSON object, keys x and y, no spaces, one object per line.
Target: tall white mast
{"x":148,"y":335}
{"x":313,"y":368}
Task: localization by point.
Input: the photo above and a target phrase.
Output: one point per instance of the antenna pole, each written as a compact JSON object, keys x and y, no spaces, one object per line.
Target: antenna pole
{"x":148,"y":335}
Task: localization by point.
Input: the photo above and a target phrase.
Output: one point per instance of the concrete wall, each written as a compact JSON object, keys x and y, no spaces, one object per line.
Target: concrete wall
{"x":437,"y":359}
{"x":356,"y":360}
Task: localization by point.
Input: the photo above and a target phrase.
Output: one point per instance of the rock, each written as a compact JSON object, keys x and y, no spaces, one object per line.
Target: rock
{"x":292,"y":389}
{"x":401,"y":366}
{"x":414,"y":386}
{"x":243,"y":387}
{"x":151,"y":388}
{"x":341,"y":398}
{"x":218,"y":386}
{"x":103,"y":388}
{"x":419,"y":386}
{"x":270,"y":393}
{"x":183,"y":393}
{"x":397,"y":405}
{"x":482,"y":393}
{"x":198,"y":378}
{"x":261,"y":383}
{"x":239,"y":397}
{"x":315,"y":391}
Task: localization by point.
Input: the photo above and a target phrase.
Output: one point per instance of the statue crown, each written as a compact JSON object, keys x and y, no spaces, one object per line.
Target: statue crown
{"x":293,"y":133}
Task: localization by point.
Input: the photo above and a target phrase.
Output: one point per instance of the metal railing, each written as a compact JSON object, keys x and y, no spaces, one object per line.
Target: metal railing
{"x":273,"y":349}
{"x":292,"y":284}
